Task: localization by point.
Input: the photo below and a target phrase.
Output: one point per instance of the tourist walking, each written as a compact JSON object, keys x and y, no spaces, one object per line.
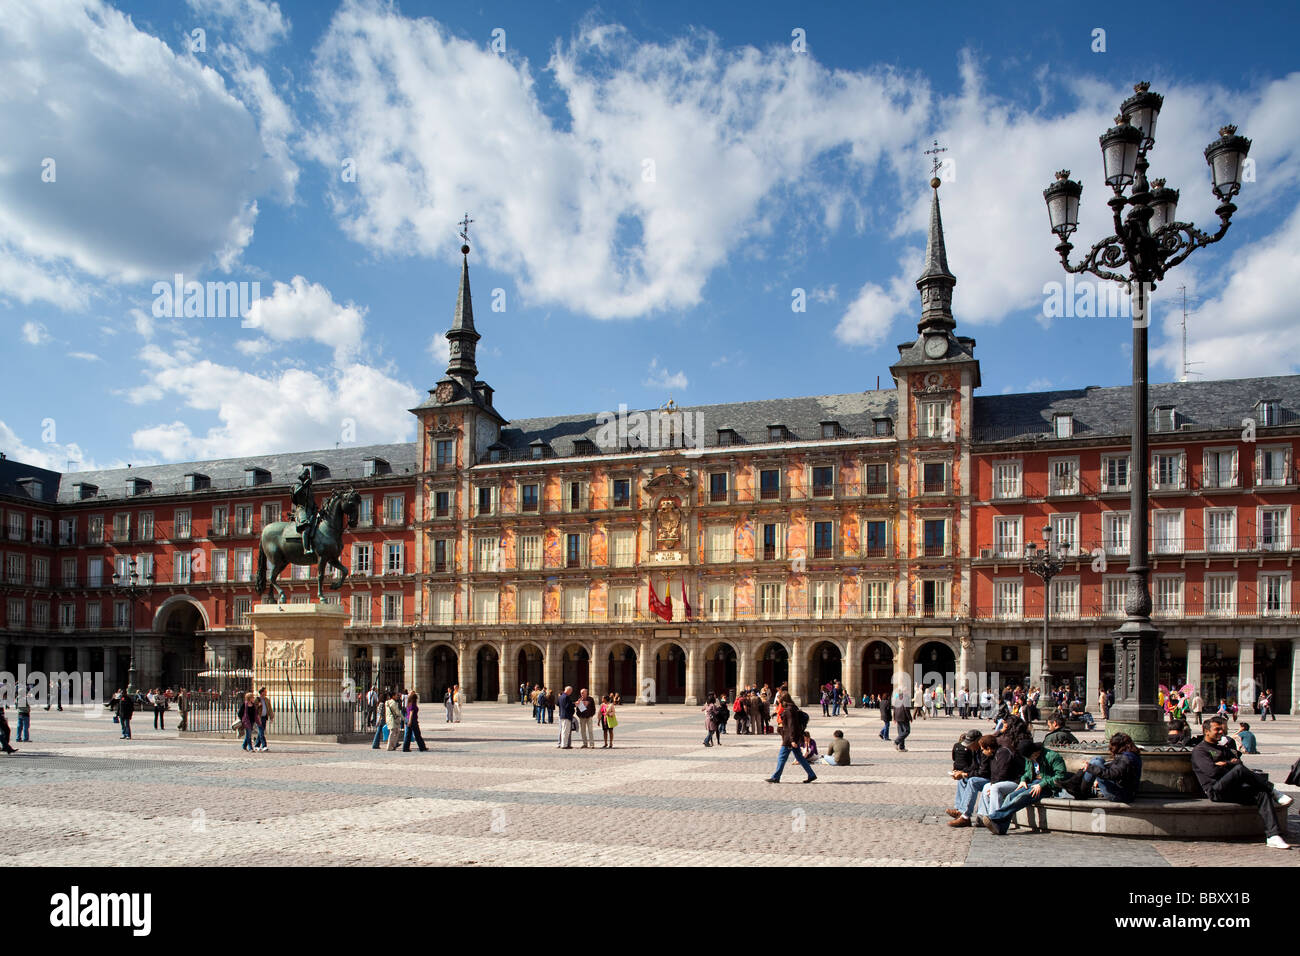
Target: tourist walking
{"x":550,"y":705}
{"x":456,"y":701}
{"x":449,"y":702}
{"x":264,"y":714}
{"x":585,"y":709}
{"x":537,"y":700}
{"x":125,"y":710}
{"x":248,"y":720}
{"x":566,"y":719}
{"x":793,"y":724}
{"x":393,"y":719}
{"x":4,"y":734}
{"x":608,"y":720}
{"x":25,"y":715}
{"x":183,"y":708}
{"x":711,"y":709}
{"x":886,"y":716}
{"x":903,"y":720}
{"x":413,"y":724}
{"x":159,"y":710}
{"x":1198,"y":707}
{"x":1225,"y":779}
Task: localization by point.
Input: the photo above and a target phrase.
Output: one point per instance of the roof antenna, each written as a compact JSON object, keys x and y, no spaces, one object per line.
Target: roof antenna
{"x":1187,"y":366}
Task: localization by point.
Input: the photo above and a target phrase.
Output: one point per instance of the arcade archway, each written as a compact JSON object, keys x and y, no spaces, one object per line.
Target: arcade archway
{"x":444,"y":671}
{"x":773,"y":665}
{"x":720,"y":662}
{"x":825,"y":666}
{"x":622,"y":672}
{"x":575,"y":668}
{"x":670,"y":674}
{"x":877,"y":673}
{"x":528,"y":666}
{"x":487,"y":672}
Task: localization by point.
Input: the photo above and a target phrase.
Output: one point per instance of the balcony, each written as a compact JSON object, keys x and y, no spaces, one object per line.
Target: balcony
{"x":877,"y":488}
{"x":934,"y":487}
{"x":934,"y":550}
{"x":877,"y":551}
{"x":718,"y":497}
{"x":823,"y":491}
{"x":823,"y":551}
{"x":769,"y":493}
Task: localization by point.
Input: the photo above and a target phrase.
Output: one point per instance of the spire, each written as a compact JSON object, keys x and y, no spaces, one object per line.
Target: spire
{"x":462,"y":336}
{"x":936,"y":282}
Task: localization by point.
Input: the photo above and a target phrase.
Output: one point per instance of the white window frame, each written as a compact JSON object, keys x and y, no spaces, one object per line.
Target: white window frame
{"x":1168,"y":543}
{"x":1210,"y":477}
{"x":1176,"y":480}
{"x":1169,"y":586}
{"x":1220,"y":595}
{"x":622,"y":604}
{"x":393,"y":609}
{"x":823,"y":599}
{"x":487,"y":553}
{"x":1008,"y":598}
{"x":1284,"y":594}
{"x":1105,"y":482}
{"x":400,"y":519}
{"x":1114,"y":592}
{"x":1056,"y":487}
{"x":1285,"y":467}
{"x":720,"y":544}
{"x":621,"y":556}
{"x":1060,"y":523}
{"x":363,"y":603}
{"x":388,"y":558}
{"x":931,"y":416}
{"x":1008,"y":479}
{"x":443,"y":609}
{"x":220,"y":566}
{"x":363,"y":564}
{"x":182,"y":525}
{"x":773,"y":608}
{"x":1008,"y":536}
{"x":874,"y":590}
{"x":1280,"y":538}
{"x":943,"y":596}
{"x":1220,"y":542}
{"x":486,"y":605}
{"x":1116,"y":532}
{"x":1065,"y":591}
{"x":530,"y":552}
{"x":181,"y":567}
{"x":718,"y":601}
{"x":575,"y":604}
{"x":530,"y":606}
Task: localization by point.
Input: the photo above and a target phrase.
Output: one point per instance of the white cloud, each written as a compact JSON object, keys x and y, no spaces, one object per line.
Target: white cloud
{"x":35,"y":333}
{"x":257,"y":25}
{"x":50,"y":455}
{"x":302,"y":310}
{"x":440,"y":351}
{"x":660,"y":377}
{"x":869,"y":317}
{"x":828,"y":294}
{"x":436,"y":125}
{"x":85,"y":356}
{"x":291,"y":408}
{"x":136,"y":192}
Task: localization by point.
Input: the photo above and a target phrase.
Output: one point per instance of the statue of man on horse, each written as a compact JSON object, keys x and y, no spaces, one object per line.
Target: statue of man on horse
{"x":312,"y":537}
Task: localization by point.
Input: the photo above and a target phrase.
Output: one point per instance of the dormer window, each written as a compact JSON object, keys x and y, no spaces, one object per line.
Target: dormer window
{"x":830,"y":429}
{"x":1063,"y":425}
{"x":584,"y":446}
{"x":538,"y":448}
{"x":370,"y":467}
{"x":494,"y":454}
{"x":256,"y":476}
{"x":776,"y":433}
{"x":318,"y":471}
{"x":138,"y":486}
{"x":882,"y":426}
{"x":726,"y":436}
{"x":1268,"y":412}
{"x":197,"y":482}
{"x":34,"y":487}
{"x":85,"y":490}
{"x":1166,"y":418}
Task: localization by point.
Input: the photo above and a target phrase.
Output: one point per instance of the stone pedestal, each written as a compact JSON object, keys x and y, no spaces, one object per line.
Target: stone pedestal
{"x":298,"y":657}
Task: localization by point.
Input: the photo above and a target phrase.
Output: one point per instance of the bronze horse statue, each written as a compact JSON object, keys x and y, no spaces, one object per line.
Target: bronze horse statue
{"x":282,"y":545}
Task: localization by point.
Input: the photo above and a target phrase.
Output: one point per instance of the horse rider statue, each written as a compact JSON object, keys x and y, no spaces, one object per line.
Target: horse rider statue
{"x":305,"y":513}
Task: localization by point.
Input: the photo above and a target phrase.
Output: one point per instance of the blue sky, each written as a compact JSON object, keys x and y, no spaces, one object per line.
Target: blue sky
{"x":650,"y":183}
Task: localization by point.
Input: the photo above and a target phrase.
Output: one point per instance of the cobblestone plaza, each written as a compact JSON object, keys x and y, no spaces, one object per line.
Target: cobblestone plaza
{"x":493,"y":791}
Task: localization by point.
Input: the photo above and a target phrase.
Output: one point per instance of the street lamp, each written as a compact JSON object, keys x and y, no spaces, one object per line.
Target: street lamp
{"x":1150,"y":242}
{"x":1047,"y":564}
{"x":129,"y":585}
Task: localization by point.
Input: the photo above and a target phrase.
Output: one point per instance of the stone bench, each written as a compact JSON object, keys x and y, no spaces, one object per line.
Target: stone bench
{"x":1172,"y":817}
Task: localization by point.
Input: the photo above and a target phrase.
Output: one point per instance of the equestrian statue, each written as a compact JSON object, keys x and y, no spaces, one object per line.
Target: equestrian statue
{"x":312,"y":537}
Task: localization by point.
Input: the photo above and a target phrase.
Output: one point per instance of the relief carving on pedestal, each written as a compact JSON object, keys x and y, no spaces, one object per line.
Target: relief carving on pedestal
{"x":286,"y":652}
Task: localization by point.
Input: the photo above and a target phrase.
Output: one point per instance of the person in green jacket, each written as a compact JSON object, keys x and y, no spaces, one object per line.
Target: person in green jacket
{"x":1044,"y":773}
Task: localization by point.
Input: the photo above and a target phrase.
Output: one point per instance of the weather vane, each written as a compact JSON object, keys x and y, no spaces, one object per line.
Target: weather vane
{"x":464,"y":229}
{"x":934,"y":163}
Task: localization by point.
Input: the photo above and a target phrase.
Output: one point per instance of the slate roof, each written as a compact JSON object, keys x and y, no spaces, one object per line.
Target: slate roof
{"x":11,"y":472}
{"x":228,"y":473}
{"x":1106,"y":412}
{"x":802,"y":418}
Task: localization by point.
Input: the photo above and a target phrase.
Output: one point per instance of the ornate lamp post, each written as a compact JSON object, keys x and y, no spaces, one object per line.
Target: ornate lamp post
{"x":129,"y":585}
{"x":1047,"y":564}
{"x":1150,"y":242}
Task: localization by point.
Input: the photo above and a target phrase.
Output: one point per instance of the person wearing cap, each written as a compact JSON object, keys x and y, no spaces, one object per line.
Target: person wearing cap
{"x":964,"y":750}
{"x":1057,"y":735}
{"x":1043,"y":776}
{"x":971,"y":781}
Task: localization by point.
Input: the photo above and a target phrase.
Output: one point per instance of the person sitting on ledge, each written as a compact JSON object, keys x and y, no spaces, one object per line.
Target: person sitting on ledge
{"x":965,"y":751}
{"x":1225,"y":779}
{"x":1078,"y":713}
{"x":1057,"y":735}
{"x":1116,"y":779}
{"x":1044,"y":773}
{"x":1179,"y":735}
{"x":1247,"y":739}
{"x":972,"y":780}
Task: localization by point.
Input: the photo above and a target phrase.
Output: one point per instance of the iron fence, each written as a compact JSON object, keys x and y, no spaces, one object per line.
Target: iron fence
{"x":307,"y":699}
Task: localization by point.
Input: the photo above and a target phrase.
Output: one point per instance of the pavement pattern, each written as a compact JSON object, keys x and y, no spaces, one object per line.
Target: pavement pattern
{"x":495,"y":790}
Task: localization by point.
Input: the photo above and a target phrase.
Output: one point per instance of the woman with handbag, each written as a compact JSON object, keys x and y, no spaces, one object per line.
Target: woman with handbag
{"x":608,"y":721}
{"x":248,"y":720}
{"x":393,"y":720}
{"x":413,"y":723}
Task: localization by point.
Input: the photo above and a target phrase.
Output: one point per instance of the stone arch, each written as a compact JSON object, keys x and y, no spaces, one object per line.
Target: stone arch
{"x":575,"y":665}
{"x":168,"y":606}
{"x":529,"y":659}
{"x":824,"y":663}
{"x":669,"y":672}
{"x":443,"y":662}
{"x":621,"y":670}
{"x":937,"y":658}
{"x":719,"y":667}
{"x":180,"y":621}
{"x":771,"y":663}
{"x":486,"y":656}
{"x":876,"y":674}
